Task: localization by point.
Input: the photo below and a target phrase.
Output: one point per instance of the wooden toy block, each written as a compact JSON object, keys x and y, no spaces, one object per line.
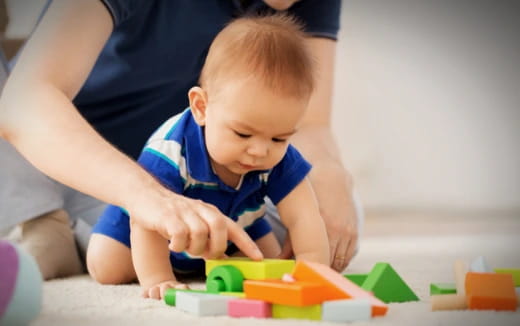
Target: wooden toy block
{"x":255,"y":270}
{"x":338,"y":287}
{"x":224,"y":278}
{"x":170,"y":295}
{"x":357,"y":279}
{"x":460,"y":269}
{"x":202,"y":304}
{"x":249,"y":308}
{"x":240,"y":295}
{"x":479,"y":265}
{"x":490,"y":291}
{"x":312,"y":312}
{"x":296,"y":293}
{"x":513,"y":271}
{"x":384,"y":282}
{"x":442,"y":288}
{"x":348,"y":310}
{"x":448,"y":302}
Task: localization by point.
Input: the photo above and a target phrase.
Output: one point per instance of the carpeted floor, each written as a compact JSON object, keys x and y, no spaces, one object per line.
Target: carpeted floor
{"x":422,"y":249}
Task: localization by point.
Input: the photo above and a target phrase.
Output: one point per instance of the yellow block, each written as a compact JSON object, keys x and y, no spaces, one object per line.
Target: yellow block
{"x":312,"y":312}
{"x":513,"y":271}
{"x":255,"y":270}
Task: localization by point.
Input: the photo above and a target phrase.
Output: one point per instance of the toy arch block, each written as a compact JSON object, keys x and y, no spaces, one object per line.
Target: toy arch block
{"x":490,"y":291}
{"x":224,"y":278}
{"x":384,"y":282}
{"x":296,"y":293}
{"x":254,"y":270}
{"x":338,"y":287}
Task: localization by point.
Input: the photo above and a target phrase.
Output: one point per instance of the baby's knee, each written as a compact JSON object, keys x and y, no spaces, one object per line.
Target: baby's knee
{"x":107,"y":264}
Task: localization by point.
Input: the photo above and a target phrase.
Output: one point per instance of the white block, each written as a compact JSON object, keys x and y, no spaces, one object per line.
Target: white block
{"x":346,"y":310}
{"x":202,"y":304}
{"x":479,"y":265}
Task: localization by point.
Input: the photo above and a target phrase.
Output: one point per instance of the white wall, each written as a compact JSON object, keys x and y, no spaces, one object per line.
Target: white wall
{"x":427,"y":103}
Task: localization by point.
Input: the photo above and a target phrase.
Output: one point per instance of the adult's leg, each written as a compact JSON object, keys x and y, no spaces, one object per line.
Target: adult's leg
{"x":34,"y":202}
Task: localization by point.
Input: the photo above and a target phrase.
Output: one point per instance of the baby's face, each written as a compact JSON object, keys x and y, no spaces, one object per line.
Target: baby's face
{"x":248,"y":127}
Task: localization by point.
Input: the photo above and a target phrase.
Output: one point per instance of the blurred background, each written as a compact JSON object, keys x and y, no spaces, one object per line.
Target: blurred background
{"x":426,"y":105}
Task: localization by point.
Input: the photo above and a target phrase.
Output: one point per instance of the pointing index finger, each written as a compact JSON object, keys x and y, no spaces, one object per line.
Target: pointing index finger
{"x":241,"y":239}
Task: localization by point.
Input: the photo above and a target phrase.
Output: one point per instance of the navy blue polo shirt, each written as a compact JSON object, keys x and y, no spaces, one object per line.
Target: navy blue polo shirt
{"x":176,"y":155}
{"x":155,"y":55}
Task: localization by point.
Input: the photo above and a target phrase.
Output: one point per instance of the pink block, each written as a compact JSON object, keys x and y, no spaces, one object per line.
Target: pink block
{"x":249,"y":308}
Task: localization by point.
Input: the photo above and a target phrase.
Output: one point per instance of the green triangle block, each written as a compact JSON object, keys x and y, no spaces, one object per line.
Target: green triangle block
{"x":384,"y":282}
{"x":357,"y":279}
{"x":442,"y":288}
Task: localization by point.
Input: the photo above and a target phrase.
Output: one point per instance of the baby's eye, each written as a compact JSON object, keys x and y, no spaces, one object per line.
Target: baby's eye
{"x":241,"y":135}
{"x":279,"y":140}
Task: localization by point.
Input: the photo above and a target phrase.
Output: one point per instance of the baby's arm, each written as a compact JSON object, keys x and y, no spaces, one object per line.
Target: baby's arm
{"x":299,"y":212}
{"x":151,"y":258}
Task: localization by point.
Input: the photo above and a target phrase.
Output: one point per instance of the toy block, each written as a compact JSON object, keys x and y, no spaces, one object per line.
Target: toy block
{"x":338,"y":287}
{"x":170,"y":295}
{"x":255,"y":270}
{"x":249,"y":308}
{"x":518,"y":296}
{"x":296,"y":293}
{"x":312,"y":312}
{"x":448,"y":302}
{"x":357,"y":279}
{"x":346,"y":310}
{"x":387,"y":285}
{"x":513,"y":271}
{"x":460,"y":269}
{"x":202,"y":304}
{"x":490,"y":291}
{"x":224,"y":278}
{"x":240,"y":295}
{"x":479,"y":265}
{"x":442,"y":288}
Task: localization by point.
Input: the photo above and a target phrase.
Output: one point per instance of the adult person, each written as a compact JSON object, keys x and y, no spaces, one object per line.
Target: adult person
{"x":96,"y":78}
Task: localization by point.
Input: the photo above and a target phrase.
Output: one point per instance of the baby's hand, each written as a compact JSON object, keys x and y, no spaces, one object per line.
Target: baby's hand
{"x":157,"y":291}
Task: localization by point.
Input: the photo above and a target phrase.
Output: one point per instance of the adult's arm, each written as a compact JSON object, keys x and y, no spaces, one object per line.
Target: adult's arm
{"x":38,"y":117}
{"x":332,"y":183}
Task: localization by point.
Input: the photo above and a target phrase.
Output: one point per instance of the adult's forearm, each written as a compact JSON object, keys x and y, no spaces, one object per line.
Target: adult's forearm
{"x":44,"y":126}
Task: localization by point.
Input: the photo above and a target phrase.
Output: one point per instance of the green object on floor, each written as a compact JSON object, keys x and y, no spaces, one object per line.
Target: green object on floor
{"x":357,"y":279}
{"x":170,"y":295}
{"x":224,"y":278}
{"x":384,"y":282}
{"x":513,"y":271}
{"x":442,"y":288}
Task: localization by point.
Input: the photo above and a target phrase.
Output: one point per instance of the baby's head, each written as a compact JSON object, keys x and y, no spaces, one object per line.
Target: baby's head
{"x":254,"y":89}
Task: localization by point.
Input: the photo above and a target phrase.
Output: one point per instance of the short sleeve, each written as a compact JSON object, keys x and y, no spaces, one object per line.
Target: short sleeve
{"x":121,"y":10}
{"x":286,"y":175}
{"x":321,"y":18}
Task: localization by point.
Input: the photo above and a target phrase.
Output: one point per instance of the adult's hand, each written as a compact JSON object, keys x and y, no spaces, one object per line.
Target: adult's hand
{"x":333,"y":187}
{"x":190,"y":225}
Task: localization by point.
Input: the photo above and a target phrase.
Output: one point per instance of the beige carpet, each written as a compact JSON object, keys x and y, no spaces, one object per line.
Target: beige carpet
{"x":421,"y":248}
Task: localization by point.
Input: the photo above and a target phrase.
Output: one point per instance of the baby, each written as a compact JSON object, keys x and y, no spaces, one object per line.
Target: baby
{"x":231,"y":149}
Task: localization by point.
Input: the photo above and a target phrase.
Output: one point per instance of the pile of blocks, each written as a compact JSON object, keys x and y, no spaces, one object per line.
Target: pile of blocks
{"x":478,"y":287}
{"x":274,"y":288}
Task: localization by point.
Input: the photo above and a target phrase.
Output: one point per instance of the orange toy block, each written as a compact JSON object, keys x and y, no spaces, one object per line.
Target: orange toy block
{"x":338,"y":287}
{"x":490,"y":291}
{"x":285,"y":293}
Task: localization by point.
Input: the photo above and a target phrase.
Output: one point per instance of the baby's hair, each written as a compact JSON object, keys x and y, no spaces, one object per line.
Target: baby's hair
{"x":271,"y":48}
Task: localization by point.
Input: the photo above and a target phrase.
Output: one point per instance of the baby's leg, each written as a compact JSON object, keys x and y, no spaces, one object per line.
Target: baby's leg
{"x":109,"y":261}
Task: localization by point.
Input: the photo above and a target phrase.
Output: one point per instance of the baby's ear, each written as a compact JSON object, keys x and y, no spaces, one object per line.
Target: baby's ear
{"x":198,"y":103}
